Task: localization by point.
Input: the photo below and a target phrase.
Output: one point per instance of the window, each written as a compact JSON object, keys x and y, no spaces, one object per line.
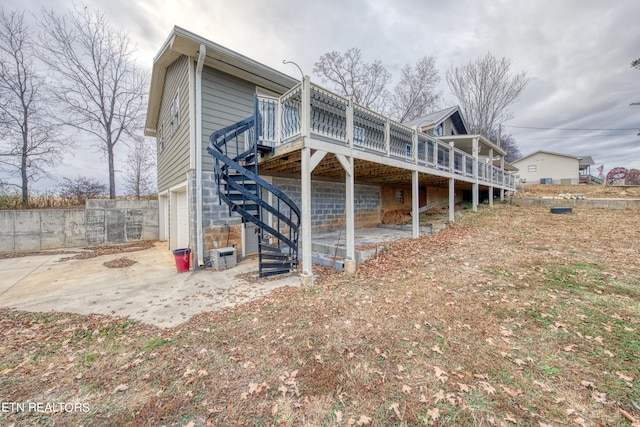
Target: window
{"x":532,"y":168}
{"x":160,"y":139}
{"x":409,"y":150}
{"x":174,"y":115}
{"x":399,"y":196}
{"x":439,"y":130}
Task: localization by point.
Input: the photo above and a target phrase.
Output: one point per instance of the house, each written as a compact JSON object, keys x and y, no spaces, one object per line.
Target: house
{"x":584,"y":165}
{"x":546,"y":167}
{"x":252,"y":158}
{"x":440,"y":123}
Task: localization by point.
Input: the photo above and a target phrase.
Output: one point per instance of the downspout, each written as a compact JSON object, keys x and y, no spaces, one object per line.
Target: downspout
{"x":199,"y":232}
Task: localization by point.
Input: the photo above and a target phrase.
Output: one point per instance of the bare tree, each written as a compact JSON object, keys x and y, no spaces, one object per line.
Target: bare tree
{"x":28,"y":139}
{"x":351,"y":76}
{"x":509,"y":144}
{"x":97,"y":79}
{"x":139,"y":178}
{"x":415,"y":95}
{"x":82,"y":188}
{"x":485,"y":89}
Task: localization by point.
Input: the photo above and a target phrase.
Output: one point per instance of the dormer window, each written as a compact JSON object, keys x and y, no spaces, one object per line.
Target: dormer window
{"x":439,"y":130}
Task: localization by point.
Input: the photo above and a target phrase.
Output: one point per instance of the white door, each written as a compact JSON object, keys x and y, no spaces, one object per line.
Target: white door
{"x":163,"y":217}
{"x":182,"y":220}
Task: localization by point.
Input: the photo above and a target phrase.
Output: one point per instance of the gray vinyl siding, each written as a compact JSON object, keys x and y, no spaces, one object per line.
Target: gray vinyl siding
{"x":173,"y":160}
{"x":449,"y":127}
{"x":225,"y":100}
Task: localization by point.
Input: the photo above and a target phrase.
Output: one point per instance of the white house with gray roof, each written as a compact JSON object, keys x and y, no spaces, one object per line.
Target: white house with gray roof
{"x":546,"y":167}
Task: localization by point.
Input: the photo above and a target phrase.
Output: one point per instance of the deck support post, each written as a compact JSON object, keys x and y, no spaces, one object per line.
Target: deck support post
{"x":452,"y":200}
{"x":475,"y":175}
{"x":502,"y":189}
{"x":491,"y":186}
{"x":306,"y":277}
{"x":347,"y":165}
{"x":350,"y":213}
{"x":415,"y":204}
{"x":452,"y":194}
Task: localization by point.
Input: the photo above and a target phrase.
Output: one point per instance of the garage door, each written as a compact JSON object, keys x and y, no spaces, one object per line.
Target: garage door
{"x":182,"y":222}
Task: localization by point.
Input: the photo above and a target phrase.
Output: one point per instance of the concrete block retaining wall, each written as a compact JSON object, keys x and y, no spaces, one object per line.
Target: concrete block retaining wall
{"x":101,"y":222}
{"x":575,"y":203}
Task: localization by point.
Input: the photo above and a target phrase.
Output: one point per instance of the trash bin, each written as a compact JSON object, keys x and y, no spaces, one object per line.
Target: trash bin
{"x":183,"y":257}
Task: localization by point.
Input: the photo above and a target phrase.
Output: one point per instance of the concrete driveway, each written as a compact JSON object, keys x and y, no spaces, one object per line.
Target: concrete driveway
{"x":150,"y":290}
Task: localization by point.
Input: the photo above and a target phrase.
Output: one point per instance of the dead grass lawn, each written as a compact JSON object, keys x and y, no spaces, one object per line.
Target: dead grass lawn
{"x":512,"y":317}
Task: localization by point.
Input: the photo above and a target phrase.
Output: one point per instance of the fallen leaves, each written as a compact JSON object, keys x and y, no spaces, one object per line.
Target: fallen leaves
{"x":624,"y":377}
{"x":433,"y":413}
{"x":395,"y":407}
{"x":254,"y":389}
{"x":120,"y":388}
{"x":441,"y":375}
{"x":487,"y":387}
{"x":363,"y":421}
{"x":510,"y":392}
{"x":531,"y":377}
{"x":119,"y":263}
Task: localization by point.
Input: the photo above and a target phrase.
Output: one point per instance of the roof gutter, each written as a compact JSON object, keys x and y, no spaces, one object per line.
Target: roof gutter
{"x":198,"y":119}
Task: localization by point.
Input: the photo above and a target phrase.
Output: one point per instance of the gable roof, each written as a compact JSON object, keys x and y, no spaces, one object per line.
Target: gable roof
{"x":182,"y":42}
{"x":435,"y":118}
{"x":585,"y":161}
{"x":547,"y":152}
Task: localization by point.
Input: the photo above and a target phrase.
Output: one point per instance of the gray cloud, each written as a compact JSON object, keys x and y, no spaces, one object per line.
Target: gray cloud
{"x":575,"y":52}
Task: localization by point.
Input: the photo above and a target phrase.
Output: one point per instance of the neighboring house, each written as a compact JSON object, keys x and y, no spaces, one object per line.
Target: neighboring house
{"x":545,"y":167}
{"x":252,"y":158}
{"x":446,"y":122}
{"x":584,"y":164}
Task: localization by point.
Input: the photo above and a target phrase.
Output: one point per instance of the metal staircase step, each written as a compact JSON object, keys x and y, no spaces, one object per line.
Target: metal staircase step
{"x":273,"y":273}
{"x":264,"y":148}
{"x":270,"y":248}
{"x":273,"y":256}
{"x":278,"y":265}
{"x":240,"y":177}
{"x":250,"y":207}
{"x":237,"y":196}
{"x":249,"y":185}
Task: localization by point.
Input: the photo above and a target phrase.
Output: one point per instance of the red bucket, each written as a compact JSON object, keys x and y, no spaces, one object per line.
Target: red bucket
{"x":183,"y":258}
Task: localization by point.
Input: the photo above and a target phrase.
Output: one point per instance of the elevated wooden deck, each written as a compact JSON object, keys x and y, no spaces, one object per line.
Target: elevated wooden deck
{"x":317,"y":133}
{"x":384,"y":151}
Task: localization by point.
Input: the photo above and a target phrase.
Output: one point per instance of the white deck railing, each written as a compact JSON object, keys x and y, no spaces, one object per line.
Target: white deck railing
{"x":336,"y":119}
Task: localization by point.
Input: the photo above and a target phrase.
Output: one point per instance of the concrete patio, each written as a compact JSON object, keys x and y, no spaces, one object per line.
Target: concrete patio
{"x":150,"y":291}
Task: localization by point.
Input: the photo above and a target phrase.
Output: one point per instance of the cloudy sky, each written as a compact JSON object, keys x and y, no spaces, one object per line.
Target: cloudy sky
{"x":576,"y":53}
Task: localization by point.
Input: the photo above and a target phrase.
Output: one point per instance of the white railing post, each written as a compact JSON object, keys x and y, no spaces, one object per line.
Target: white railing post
{"x":387,"y":136}
{"x":306,"y":107}
{"x":491,"y":186}
{"x":415,"y":145}
{"x":452,"y":159}
{"x":475,"y":195}
{"x":349,"y":113}
{"x":278,"y":129}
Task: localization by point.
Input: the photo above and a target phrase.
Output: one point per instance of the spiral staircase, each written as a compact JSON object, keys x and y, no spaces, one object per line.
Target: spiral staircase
{"x":236,"y":150}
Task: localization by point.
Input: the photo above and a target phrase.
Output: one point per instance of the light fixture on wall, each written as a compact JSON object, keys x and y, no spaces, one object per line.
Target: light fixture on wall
{"x":284,"y":61}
